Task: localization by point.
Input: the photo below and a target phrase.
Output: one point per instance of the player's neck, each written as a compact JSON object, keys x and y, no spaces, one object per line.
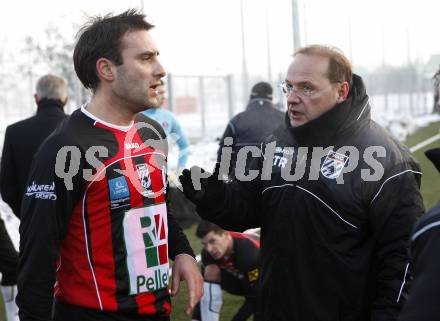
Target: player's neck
{"x":103,"y":107}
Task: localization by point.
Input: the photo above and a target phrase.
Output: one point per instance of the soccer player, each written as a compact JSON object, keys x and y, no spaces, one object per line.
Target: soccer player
{"x":231,"y":262}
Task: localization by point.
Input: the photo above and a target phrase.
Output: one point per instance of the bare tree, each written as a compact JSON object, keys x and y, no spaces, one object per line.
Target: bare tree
{"x":53,"y":53}
{"x":6,"y":85}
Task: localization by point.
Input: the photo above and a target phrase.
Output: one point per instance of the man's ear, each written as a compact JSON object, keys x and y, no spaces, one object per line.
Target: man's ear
{"x":344,"y":88}
{"x":36,"y":99}
{"x":104,"y":69}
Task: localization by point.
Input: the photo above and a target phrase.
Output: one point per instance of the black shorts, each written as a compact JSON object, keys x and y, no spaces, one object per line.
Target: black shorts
{"x":233,"y":285}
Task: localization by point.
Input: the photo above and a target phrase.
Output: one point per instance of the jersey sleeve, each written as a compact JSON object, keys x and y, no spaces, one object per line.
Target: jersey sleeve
{"x":46,"y":208}
{"x":177,"y":240}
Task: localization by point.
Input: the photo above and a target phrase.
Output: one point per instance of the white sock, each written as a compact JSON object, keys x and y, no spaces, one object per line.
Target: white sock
{"x":211,"y":302}
{"x":11,"y":310}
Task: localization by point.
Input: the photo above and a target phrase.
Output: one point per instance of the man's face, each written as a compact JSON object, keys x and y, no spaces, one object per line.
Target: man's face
{"x":313,"y":93}
{"x":215,"y":244}
{"x":137,"y":79}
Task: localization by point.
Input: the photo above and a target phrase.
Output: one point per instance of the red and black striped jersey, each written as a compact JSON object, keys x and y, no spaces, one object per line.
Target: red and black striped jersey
{"x":96,"y":231}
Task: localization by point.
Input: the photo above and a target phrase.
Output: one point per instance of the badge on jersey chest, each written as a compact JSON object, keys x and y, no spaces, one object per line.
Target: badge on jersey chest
{"x":145,"y":179}
{"x":333,"y":164}
{"x":145,"y":236}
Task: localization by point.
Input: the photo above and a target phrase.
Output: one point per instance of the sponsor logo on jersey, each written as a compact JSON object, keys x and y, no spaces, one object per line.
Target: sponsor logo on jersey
{"x":42,"y":191}
{"x":131,"y":145}
{"x":119,"y":192}
{"x":145,"y":233}
{"x":253,"y":275}
{"x":333,"y":164}
{"x":144,"y":177}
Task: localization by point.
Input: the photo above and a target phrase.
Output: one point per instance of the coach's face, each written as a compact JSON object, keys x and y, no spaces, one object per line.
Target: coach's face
{"x":309,"y":90}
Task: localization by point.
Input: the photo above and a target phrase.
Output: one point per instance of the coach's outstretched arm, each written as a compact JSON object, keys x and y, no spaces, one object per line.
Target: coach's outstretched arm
{"x":233,"y":206}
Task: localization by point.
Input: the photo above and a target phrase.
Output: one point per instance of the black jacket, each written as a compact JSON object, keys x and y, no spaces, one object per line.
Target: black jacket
{"x":251,"y":127}
{"x":422,"y":302}
{"x":333,"y":238}
{"x":22,"y":140}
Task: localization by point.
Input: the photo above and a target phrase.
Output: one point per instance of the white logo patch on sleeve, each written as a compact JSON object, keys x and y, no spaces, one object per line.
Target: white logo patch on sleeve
{"x":42,"y":191}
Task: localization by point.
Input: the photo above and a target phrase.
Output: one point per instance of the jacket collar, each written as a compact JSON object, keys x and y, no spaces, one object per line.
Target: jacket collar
{"x":340,"y":120}
{"x":50,"y":106}
{"x":258,"y":103}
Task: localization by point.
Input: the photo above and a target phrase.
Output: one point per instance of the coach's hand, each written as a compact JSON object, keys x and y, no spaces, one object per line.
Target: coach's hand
{"x":198,"y":185}
{"x":185,"y":269}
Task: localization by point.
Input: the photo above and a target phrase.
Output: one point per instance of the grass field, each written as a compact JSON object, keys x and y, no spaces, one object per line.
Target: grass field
{"x":231,"y":303}
{"x":431,"y":177}
{"x":430,"y":191}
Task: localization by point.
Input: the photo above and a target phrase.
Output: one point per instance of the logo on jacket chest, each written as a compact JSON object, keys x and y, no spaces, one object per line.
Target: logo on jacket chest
{"x":333,"y":164}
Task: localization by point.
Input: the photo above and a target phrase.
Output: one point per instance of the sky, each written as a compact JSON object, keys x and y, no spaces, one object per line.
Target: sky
{"x":204,"y":36}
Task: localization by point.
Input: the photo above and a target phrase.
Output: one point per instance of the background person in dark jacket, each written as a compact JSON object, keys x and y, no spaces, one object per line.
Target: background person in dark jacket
{"x":252,"y":126}
{"x":336,"y":198}
{"x":23,"y":138}
{"x":422,"y":302}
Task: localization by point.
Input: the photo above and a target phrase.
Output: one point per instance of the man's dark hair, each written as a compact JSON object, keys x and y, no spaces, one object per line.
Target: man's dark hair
{"x":101,"y":38}
{"x":205,"y":227}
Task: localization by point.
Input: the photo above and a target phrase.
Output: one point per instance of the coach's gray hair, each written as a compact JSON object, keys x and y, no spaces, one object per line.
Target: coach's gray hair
{"x":51,"y":87}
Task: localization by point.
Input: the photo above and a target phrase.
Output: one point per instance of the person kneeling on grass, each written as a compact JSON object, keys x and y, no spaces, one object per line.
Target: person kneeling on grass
{"x":231,"y":262}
